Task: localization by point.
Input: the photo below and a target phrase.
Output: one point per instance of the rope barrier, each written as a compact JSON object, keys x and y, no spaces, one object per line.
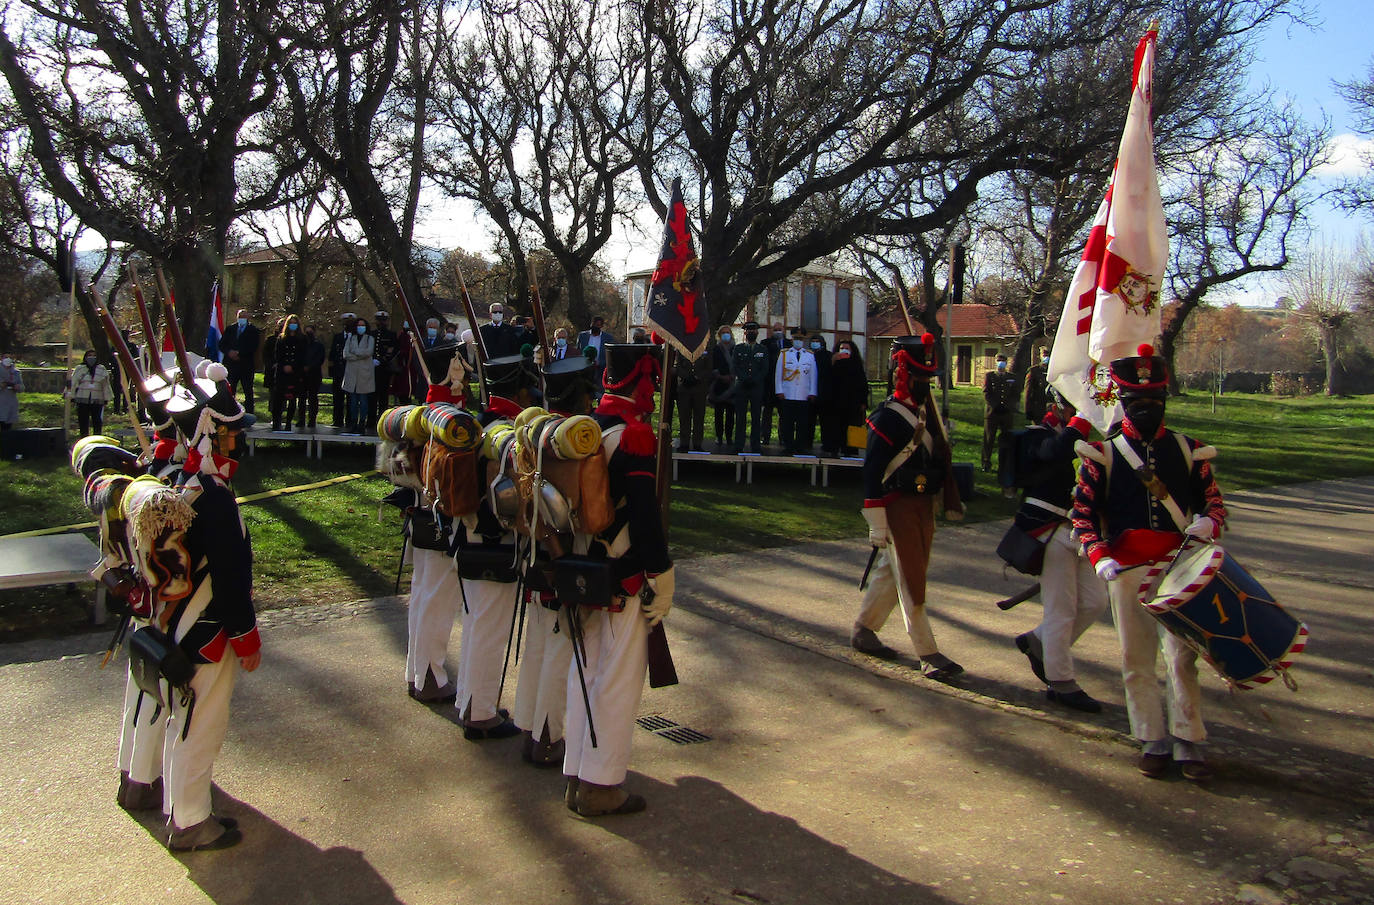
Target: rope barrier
{"x":251,"y":498}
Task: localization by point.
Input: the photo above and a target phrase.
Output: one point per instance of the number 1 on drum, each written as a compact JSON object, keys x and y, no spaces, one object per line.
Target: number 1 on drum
{"x":1222,"y":618}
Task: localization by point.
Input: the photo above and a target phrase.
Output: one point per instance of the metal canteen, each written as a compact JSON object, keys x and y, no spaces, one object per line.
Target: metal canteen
{"x":505,"y":500}
{"x":554,"y":510}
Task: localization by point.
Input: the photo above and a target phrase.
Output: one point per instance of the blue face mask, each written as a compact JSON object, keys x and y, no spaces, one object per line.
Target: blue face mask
{"x":561,"y":342}
{"x":815,"y":345}
{"x":362,"y":330}
{"x":797,"y":344}
{"x":243,"y":322}
{"x":432,"y":332}
{"x":292,"y":328}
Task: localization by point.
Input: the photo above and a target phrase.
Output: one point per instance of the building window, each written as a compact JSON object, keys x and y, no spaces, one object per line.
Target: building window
{"x":777,"y":301}
{"x":637,"y":292}
{"x":844,"y":304}
{"x":811,"y":306}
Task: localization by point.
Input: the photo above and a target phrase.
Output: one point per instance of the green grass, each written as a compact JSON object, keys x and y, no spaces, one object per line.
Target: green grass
{"x":327,"y":545}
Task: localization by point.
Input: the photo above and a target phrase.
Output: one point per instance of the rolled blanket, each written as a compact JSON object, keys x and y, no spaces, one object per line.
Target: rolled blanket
{"x":576,"y":437}
{"x":529,"y":414}
{"x":494,"y":438}
{"x":97,"y":453}
{"x":452,"y":426}
{"x":393,"y":423}
{"x":104,"y":492}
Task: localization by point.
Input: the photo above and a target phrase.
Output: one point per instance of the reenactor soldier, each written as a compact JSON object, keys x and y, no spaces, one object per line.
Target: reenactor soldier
{"x":906,"y":474}
{"x":753,"y":381}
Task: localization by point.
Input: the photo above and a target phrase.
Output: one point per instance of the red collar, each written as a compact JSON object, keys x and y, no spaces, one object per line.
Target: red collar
{"x":1130,"y":430}
{"x":502,"y":407}
{"x":220,"y":466}
{"x":620,"y":407}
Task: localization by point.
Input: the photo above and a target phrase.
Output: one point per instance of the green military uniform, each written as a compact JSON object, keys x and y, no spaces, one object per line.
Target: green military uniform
{"x":753,"y":377}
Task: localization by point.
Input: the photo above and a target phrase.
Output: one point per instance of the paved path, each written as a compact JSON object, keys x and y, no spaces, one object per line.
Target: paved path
{"x":828,"y":776}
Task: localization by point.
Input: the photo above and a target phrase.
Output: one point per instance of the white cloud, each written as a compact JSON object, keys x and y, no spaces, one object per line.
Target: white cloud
{"x":1350,"y":154}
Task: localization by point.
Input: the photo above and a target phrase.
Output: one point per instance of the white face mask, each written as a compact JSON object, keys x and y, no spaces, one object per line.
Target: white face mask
{"x":497,"y":316}
{"x":7,"y":362}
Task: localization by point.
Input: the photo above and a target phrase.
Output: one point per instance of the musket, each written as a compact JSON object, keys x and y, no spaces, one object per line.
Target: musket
{"x":188,"y":376}
{"x":478,"y":343}
{"x":150,"y":341}
{"x":540,"y":331}
{"x":132,"y":376}
{"x":414,"y":324}
{"x":662,"y":671}
{"x":868,"y":569}
{"x":1009,"y":602}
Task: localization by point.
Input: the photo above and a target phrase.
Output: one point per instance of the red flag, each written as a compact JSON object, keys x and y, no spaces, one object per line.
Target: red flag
{"x":1113,"y":302}
{"x":677,"y":308}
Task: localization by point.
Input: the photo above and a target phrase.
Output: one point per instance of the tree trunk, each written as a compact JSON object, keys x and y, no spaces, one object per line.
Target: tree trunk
{"x":1331,"y":354}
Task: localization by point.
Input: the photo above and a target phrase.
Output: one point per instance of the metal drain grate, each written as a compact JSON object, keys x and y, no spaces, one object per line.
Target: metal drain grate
{"x":681,"y":735}
{"x":673,"y":732}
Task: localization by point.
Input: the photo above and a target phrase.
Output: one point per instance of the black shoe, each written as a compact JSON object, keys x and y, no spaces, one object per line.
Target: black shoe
{"x":865,"y":641}
{"x":504,"y":729}
{"x":1037,"y":665}
{"x":1195,"y":770}
{"x":1076,"y":700}
{"x":939,"y":667}
{"x":1153,"y":766}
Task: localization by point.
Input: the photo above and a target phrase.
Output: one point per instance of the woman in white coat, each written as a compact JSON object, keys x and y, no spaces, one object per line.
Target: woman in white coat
{"x":359,"y":380}
{"x":90,"y":390}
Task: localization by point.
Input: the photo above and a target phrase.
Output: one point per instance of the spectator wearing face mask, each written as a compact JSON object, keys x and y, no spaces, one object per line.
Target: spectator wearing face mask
{"x":794,"y":383}
{"x":1037,"y":382}
{"x":775,"y":342}
{"x":596,"y":337}
{"x":816,"y":344}
{"x":499,"y":337}
{"x":721,"y":395}
{"x":239,"y":346}
{"x":313,"y":356}
{"x":753,"y":384}
{"x":1000,"y":389}
{"x":337,"y":365}
{"x":89,"y":388}
{"x":359,"y":376}
{"x":288,"y":358}
{"x":11,"y":385}
{"x":845,"y":403}
{"x":560,"y":348}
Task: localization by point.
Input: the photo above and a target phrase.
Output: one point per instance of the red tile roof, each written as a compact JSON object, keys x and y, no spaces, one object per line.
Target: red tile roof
{"x":970,"y":321}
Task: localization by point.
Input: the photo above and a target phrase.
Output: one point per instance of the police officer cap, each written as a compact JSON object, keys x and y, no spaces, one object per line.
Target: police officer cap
{"x":751,"y":325}
{"x":381,"y":315}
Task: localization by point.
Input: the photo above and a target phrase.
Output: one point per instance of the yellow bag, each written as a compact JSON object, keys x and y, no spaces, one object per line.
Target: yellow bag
{"x":857,"y":436}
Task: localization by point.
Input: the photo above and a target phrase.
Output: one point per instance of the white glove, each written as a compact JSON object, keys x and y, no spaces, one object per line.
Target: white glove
{"x":1203,"y":528}
{"x":662,"y":601}
{"x":876,"y":516}
{"x":1108,"y":568}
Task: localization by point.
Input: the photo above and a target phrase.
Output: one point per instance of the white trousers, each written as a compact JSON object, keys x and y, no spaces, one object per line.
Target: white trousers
{"x":190,"y":762}
{"x":1141,"y":638}
{"x":541,"y":695}
{"x":1073,"y":598}
{"x":141,"y":740}
{"x":617,"y":662}
{"x":486,"y":626}
{"x":885,"y":591}
{"x":434,"y":601}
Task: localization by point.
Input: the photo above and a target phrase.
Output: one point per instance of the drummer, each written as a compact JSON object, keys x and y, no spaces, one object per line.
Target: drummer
{"x":1139,"y":492}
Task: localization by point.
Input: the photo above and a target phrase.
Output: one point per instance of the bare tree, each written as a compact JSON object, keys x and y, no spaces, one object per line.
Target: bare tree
{"x":138,"y":118}
{"x":359,"y":87}
{"x":546,"y":108}
{"x":1357,"y":194}
{"x":1235,"y":207}
{"x":1323,"y":290}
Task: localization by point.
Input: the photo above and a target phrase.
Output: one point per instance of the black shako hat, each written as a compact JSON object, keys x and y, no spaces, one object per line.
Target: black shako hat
{"x":623,"y":358}
{"x":508,"y":375}
{"x":1144,"y":375}
{"x":437,"y":358}
{"x":564,"y":379}
{"x":918,"y":353}
{"x":197,"y":415}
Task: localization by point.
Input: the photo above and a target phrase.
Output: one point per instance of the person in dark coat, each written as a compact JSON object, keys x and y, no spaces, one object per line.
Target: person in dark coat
{"x":822,"y":356}
{"x":239,"y":346}
{"x":387,"y":364}
{"x":288,"y":361}
{"x":722,"y":391}
{"x":312,"y":374}
{"x":846,"y":401}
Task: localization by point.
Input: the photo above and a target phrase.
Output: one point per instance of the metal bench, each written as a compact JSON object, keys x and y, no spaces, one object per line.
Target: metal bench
{"x":32,"y":562}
